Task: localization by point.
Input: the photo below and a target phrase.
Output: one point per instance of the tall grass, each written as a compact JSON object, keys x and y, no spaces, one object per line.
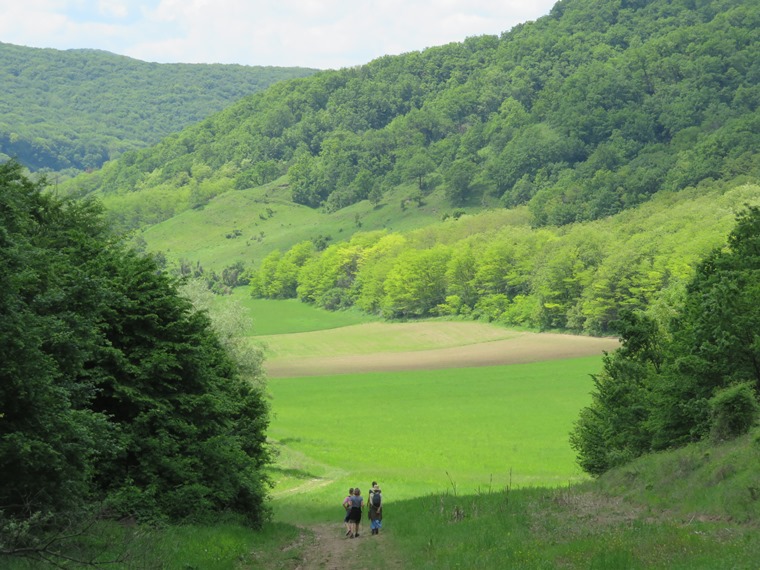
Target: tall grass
{"x":691,"y":508}
{"x":573,"y":528}
{"x":223,"y":546}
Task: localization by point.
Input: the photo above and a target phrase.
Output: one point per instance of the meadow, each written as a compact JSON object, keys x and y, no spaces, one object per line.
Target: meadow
{"x":289,"y":316}
{"x":421,"y":432}
{"x":266,"y":219}
{"x":476,"y":472}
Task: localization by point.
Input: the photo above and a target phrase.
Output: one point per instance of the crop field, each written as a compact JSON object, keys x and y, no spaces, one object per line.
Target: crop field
{"x":463,"y":430}
{"x":422,"y":406}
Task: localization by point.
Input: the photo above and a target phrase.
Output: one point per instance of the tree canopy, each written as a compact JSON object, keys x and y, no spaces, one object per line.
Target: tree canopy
{"x":686,"y":375}
{"x":114,"y":391}
{"x":583,"y":113}
{"x":74,"y":110}
{"x":495,"y":267}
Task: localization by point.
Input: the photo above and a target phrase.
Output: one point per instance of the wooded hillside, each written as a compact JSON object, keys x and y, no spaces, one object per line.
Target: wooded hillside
{"x":76,"y":109}
{"x":581,"y":114}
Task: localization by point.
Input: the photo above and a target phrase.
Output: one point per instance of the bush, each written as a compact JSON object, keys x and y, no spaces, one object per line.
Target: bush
{"x":733,"y":411}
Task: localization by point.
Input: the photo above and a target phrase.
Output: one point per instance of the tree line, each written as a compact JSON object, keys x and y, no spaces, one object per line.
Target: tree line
{"x":687,"y":375}
{"x":118,"y":398}
{"x":496,"y":267}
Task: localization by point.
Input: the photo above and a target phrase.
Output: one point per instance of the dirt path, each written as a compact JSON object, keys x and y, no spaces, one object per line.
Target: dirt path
{"x":330,"y":549}
{"x":527,"y":347}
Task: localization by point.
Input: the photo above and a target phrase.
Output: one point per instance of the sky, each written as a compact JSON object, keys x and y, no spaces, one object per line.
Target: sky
{"x":323,"y":34}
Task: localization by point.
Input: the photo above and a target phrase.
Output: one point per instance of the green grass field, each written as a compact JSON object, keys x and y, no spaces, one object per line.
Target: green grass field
{"x":290,"y":316}
{"x":423,"y":432}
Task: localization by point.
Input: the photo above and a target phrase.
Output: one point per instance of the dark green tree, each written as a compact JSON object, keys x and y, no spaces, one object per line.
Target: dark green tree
{"x":113,"y":387}
{"x":716,"y":340}
{"x":663,"y":389}
{"x":459,"y":179}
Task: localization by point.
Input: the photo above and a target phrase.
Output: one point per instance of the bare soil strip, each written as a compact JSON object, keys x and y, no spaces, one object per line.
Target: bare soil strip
{"x":330,"y":549}
{"x":524,"y":348}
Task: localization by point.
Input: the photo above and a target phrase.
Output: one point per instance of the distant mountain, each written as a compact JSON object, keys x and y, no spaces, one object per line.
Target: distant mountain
{"x":78,"y":108}
{"x":583,"y":113}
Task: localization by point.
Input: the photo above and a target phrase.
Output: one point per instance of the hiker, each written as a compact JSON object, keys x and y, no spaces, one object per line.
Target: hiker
{"x":376,"y":509}
{"x":371,"y":490}
{"x":355,"y":514}
{"x":347,"y":506}
{"x":369,"y":494}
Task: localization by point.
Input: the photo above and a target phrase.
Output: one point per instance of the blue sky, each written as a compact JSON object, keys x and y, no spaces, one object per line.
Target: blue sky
{"x":308,"y":33}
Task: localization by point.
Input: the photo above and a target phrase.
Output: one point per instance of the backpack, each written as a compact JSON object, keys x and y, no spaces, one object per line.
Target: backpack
{"x":376,"y":499}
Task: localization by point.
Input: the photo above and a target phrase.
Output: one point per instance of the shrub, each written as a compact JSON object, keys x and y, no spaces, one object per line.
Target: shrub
{"x":733,"y":411}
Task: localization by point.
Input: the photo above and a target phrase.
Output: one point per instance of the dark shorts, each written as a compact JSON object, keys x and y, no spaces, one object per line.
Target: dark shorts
{"x":355,"y":515}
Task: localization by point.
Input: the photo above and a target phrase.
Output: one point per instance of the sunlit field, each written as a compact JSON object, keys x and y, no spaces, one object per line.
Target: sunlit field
{"x":290,"y":316}
{"x":467,"y":430}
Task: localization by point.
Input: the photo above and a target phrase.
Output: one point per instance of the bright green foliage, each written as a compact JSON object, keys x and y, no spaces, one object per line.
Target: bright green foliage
{"x":581,"y":277}
{"x":416,"y":284}
{"x":585,"y":112}
{"x":113,"y":387}
{"x":76,"y":109}
{"x":695,"y":373}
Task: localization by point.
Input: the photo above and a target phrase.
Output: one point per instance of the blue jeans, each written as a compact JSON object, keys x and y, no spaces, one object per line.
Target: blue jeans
{"x":376,"y":524}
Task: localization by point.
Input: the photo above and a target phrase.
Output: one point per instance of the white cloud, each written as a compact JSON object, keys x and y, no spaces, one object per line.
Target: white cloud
{"x":313,"y":33}
{"x":113,"y":9}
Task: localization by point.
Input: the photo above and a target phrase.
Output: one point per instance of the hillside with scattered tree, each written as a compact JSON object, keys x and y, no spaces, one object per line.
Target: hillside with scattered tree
{"x":585,"y":112}
{"x":76,"y":109}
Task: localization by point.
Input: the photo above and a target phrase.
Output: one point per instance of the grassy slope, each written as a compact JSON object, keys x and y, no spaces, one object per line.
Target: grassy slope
{"x":691,"y":508}
{"x":200,"y":235}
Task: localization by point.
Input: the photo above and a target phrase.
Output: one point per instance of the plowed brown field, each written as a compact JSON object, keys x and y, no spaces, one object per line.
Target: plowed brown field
{"x":523,"y":347}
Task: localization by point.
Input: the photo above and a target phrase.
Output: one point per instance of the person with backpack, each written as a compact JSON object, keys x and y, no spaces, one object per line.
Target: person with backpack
{"x":347,"y":507}
{"x":376,"y":509}
{"x":355,"y":514}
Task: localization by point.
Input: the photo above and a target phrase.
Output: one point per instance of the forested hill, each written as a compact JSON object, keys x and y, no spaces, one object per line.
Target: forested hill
{"x":582,"y":113}
{"x":79,"y":108}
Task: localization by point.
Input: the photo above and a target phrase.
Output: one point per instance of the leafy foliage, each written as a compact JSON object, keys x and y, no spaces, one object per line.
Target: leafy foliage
{"x":114,"y":389}
{"x":76,"y":109}
{"x":494,"y":267}
{"x":580,"y":114}
{"x":681,"y":379}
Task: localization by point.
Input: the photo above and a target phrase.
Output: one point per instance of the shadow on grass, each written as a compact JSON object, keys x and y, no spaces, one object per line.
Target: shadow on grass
{"x":295,"y":473}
